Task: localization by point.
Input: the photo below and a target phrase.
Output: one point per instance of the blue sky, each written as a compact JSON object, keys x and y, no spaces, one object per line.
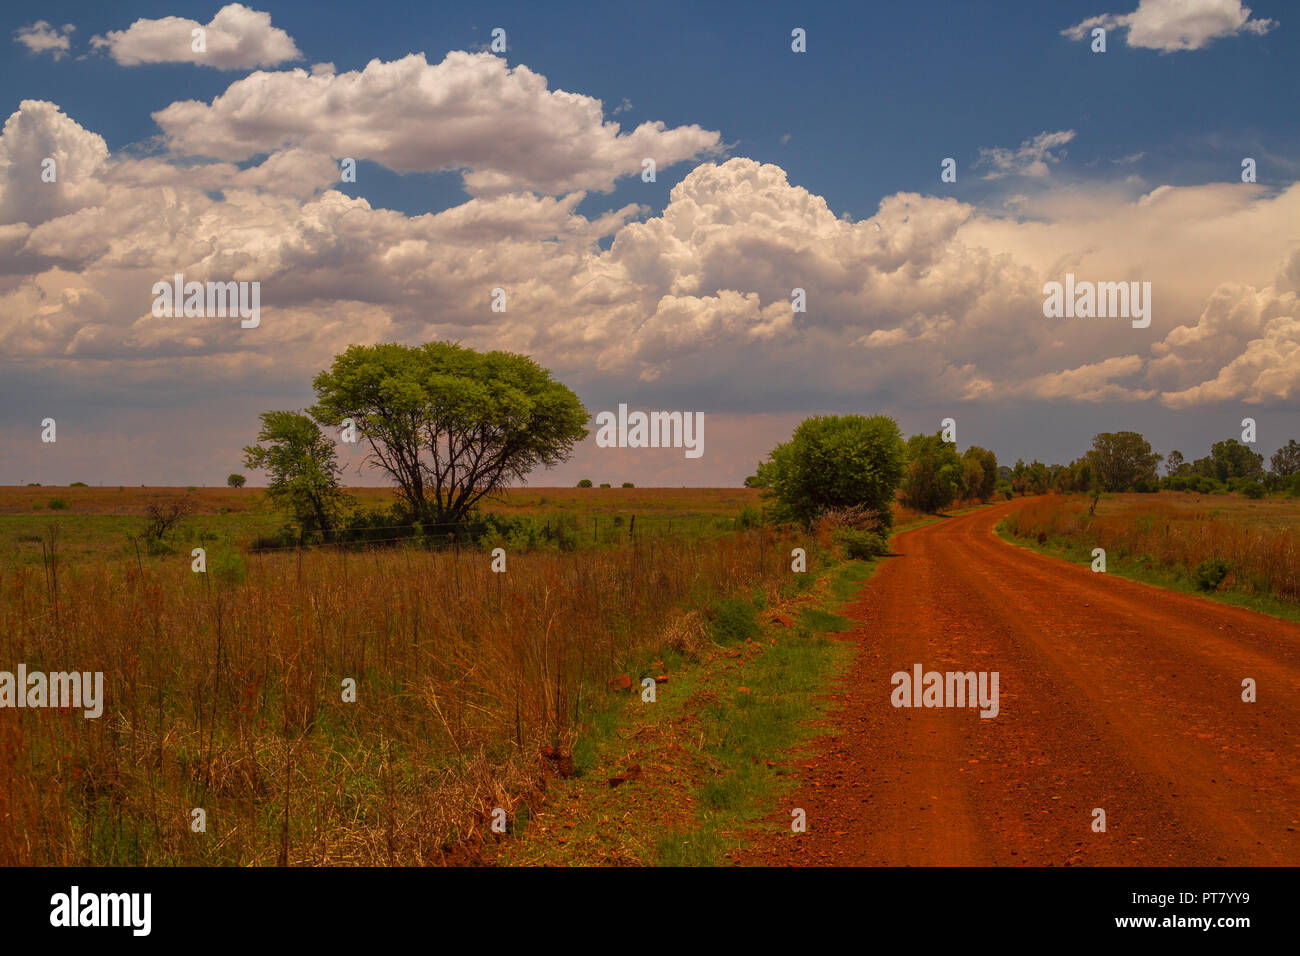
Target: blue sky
{"x":883,"y":93}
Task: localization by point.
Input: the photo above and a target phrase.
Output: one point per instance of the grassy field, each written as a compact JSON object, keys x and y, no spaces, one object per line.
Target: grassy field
{"x":1225,"y":546}
{"x":225,"y":690}
{"x":680,"y":781}
{"x":101,"y":522}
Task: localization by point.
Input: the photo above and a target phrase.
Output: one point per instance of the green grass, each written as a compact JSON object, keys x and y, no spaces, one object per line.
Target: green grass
{"x":735,"y":620}
{"x":81,"y":535}
{"x":743,"y":731}
{"x":1142,"y":569}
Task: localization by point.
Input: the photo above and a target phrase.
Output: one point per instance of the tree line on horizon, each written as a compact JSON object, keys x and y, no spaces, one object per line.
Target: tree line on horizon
{"x":451,"y":426}
{"x":852,"y":461}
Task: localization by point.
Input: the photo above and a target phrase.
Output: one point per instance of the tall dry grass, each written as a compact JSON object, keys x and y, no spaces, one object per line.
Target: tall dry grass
{"x":1263,"y":557}
{"x":224,"y":692}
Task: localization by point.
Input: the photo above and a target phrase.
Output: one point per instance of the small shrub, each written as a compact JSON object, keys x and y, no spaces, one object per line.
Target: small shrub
{"x":734,"y":620}
{"x":1209,"y":574}
{"x":1253,"y":491}
{"x":158,"y":547}
{"x":605,"y":484}
{"x":628,"y":484}
{"x":163,"y":516}
{"x":286,"y":537}
{"x":58,"y":504}
{"x":228,"y":567}
{"x":860,"y":545}
{"x":585,"y":483}
{"x":381,"y":525}
{"x":77,"y":484}
{"x":749,"y":518}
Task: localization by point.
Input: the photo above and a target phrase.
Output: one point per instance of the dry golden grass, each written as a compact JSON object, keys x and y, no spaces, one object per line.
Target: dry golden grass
{"x":1259,"y":540}
{"x":527,"y":500}
{"x":224,"y":689}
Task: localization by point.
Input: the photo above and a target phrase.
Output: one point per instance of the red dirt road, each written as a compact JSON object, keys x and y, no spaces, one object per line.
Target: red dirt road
{"x":1112,"y":694}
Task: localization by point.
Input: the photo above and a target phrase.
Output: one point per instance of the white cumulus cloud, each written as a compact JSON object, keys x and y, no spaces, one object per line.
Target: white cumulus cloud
{"x":237,"y":38}
{"x":41,"y":37}
{"x":1173,"y":25}
{"x":502,"y":126}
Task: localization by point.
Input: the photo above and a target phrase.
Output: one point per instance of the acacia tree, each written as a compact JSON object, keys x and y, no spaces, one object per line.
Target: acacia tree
{"x":303,"y":469}
{"x":450,"y":425}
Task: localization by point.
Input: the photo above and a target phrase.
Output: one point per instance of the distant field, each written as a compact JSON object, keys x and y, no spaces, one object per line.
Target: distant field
{"x":131,"y":501}
{"x":1225,"y":544}
{"x":96,"y":521}
{"x":1182,"y":506}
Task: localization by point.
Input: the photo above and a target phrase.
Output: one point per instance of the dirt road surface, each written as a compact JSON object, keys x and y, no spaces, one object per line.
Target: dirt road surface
{"x":1113,"y":695}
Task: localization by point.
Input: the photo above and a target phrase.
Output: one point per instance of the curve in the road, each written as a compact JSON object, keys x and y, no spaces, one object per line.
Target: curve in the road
{"x":1113,"y":695}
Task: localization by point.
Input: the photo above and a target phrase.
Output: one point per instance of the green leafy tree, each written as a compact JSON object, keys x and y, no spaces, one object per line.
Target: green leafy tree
{"x":585,"y":483}
{"x":1037,"y":478}
{"x":837,"y":461}
{"x":1020,"y":477}
{"x":450,"y":425}
{"x":1176,"y":464}
{"x":1122,"y":461}
{"x":1079,"y":476}
{"x":972,"y":475}
{"x":304,"y":472}
{"x":762,"y":476}
{"x":235,"y":481}
{"x":934,"y":472}
{"x":1230,"y":459}
{"x":979,"y":473}
{"x":1286,"y":460}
